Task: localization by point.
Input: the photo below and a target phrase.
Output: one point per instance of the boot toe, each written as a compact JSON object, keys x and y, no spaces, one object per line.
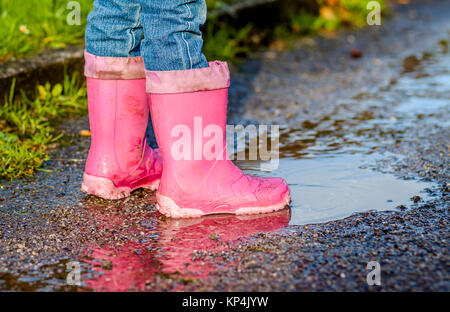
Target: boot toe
{"x":272,"y":191}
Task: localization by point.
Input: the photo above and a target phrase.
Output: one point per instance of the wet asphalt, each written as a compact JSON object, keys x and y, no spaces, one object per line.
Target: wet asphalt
{"x":46,"y":222}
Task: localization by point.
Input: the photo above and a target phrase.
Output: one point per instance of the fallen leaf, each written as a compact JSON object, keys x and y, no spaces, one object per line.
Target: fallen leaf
{"x":85,"y":133}
{"x":356,"y":53}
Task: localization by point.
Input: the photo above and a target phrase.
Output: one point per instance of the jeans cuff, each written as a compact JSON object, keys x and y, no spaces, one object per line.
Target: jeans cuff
{"x":216,"y":76}
{"x":113,"y":68}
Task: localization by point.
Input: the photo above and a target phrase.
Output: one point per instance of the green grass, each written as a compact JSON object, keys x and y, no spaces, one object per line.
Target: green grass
{"x":28,"y":26}
{"x":27,"y":126}
{"x":333,"y":15}
{"x":225,"y":43}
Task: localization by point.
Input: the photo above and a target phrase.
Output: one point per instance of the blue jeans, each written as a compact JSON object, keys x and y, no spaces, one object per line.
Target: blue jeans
{"x":166,"y":33}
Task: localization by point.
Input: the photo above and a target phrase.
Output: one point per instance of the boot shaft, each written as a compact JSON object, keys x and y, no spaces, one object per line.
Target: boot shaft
{"x":190,"y":130}
{"x":118,"y":117}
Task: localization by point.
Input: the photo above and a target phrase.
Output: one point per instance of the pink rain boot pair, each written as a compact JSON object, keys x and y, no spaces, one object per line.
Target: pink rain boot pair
{"x":188,"y":109}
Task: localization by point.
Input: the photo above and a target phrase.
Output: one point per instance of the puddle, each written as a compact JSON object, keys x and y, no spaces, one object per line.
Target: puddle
{"x":331,"y":188}
{"x":426,"y":106}
{"x":329,"y":164}
{"x":171,"y":249}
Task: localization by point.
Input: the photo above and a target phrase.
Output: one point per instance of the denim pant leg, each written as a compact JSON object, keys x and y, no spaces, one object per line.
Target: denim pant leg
{"x":114,"y":28}
{"x":173,"y":40}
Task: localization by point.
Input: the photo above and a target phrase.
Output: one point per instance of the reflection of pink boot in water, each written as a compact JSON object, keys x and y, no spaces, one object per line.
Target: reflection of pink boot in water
{"x":119,"y":159}
{"x":202,"y":180}
{"x":135,"y":264}
{"x":180,"y":237}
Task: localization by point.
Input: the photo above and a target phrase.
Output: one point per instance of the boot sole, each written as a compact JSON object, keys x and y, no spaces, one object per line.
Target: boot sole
{"x":105,"y":188}
{"x":169,"y":208}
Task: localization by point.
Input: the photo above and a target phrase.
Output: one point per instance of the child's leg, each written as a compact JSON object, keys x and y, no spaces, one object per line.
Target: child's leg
{"x":173,"y":40}
{"x":114,"y":28}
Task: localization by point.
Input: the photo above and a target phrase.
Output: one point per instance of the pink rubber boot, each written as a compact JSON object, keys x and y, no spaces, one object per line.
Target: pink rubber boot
{"x":189,"y":109}
{"x":119,"y":159}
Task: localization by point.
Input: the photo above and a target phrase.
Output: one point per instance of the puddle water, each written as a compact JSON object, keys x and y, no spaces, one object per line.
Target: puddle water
{"x":169,"y":249}
{"x":329,"y":163}
{"x":427,"y":106}
{"x":330,"y":188}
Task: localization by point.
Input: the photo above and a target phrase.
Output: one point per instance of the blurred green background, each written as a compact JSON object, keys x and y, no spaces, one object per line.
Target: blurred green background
{"x":28,"y":26}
